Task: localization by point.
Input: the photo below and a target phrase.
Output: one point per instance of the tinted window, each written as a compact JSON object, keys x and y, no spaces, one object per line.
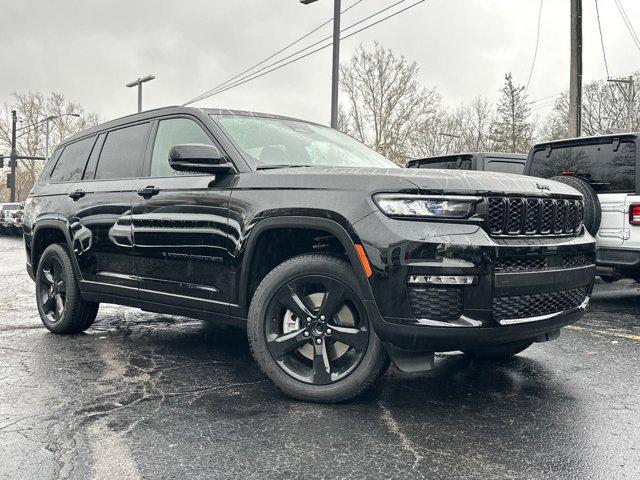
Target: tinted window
{"x":503,"y":167}
{"x":607,"y":171}
{"x":72,"y":161}
{"x":123,"y":152}
{"x":174,"y":131}
{"x":90,"y":170}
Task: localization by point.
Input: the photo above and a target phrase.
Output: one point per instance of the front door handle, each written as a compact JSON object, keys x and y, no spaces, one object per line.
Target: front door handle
{"x":149,"y":191}
{"x":78,"y":194}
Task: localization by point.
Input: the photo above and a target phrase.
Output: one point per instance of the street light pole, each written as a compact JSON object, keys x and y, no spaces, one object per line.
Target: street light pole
{"x":14,"y":154}
{"x":138,"y":83}
{"x":335,"y":71}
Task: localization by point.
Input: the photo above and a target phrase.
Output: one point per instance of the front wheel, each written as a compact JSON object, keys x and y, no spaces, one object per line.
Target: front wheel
{"x":499,"y":352}
{"x":309,"y":331}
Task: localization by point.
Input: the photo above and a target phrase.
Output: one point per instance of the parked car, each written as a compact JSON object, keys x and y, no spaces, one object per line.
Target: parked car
{"x":11,"y":218}
{"x":482,"y":161}
{"x":331,"y":256}
{"x":605,"y":170}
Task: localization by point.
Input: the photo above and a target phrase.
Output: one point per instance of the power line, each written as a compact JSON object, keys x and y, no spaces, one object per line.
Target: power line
{"x":261,"y":62}
{"x":604,"y":53}
{"x":535,"y":53}
{"x":628,"y":24}
{"x":266,"y":70}
{"x":219,"y":89}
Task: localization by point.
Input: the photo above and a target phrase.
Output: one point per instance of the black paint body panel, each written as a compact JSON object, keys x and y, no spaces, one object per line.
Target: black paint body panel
{"x":188,"y":249}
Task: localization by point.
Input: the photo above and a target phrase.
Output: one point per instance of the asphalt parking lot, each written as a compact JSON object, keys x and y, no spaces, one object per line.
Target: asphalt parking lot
{"x":143,"y":395}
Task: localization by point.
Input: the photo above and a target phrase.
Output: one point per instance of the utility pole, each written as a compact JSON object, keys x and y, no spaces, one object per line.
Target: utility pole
{"x":335,"y":71}
{"x":628,"y":96}
{"x":575,"y":77}
{"x":14,"y":155}
{"x":138,"y":83}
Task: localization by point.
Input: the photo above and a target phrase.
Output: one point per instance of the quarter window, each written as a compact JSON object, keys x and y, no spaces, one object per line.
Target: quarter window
{"x":123,"y":152}
{"x":174,"y":131}
{"x":72,"y":161}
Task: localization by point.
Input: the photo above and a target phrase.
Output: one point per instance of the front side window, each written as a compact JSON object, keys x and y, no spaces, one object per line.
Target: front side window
{"x":283,"y":142}
{"x":174,"y":131}
{"x":72,"y":161}
{"x":123,"y":152}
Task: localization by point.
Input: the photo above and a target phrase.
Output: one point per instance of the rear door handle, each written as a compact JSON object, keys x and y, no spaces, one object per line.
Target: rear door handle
{"x":149,"y":191}
{"x":78,"y":194}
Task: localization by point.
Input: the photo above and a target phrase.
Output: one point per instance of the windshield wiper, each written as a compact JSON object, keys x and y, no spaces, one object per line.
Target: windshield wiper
{"x":269,"y":167}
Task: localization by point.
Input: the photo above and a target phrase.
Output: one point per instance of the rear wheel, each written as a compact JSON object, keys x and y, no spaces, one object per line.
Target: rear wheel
{"x":310,"y":333}
{"x":592,"y":208}
{"x":61,"y":307}
{"x":499,"y":352}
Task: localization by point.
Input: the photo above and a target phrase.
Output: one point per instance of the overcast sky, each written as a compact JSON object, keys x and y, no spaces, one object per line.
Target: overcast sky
{"x":88,"y":49}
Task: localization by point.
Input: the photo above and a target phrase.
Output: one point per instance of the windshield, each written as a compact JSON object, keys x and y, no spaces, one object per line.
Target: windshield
{"x":283,"y":142}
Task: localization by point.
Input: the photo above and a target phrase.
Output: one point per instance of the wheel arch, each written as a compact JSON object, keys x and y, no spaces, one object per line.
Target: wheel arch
{"x":347,"y":241}
{"x":48,"y":231}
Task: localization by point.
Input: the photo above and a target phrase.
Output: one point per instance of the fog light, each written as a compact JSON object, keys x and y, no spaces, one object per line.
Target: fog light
{"x":442,"y":279}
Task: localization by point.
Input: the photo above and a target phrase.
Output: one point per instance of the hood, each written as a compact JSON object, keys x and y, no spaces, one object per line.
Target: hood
{"x":424,"y":180}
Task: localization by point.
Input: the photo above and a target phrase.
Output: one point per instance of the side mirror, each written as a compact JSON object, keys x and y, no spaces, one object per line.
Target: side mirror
{"x":199,"y":158}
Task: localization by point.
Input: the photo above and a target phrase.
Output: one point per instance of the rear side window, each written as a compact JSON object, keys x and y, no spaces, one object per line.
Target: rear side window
{"x":72,"y":161}
{"x":123,"y":152}
{"x":503,"y":167}
{"x":607,"y":170}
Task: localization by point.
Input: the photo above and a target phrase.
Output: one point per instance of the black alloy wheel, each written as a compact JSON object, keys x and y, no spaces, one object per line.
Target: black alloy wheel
{"x":53,"y":289}
{"x":316,"y":329}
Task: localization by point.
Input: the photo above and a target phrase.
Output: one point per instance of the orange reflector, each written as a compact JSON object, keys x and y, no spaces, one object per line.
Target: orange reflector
{"x":364,"y":260}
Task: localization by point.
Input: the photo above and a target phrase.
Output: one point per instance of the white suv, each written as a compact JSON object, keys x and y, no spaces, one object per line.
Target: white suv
{"x":605,"y":170}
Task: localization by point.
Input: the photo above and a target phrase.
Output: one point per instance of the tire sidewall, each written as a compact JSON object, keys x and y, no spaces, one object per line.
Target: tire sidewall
{"x":593,"y":210}
{"x":71,"y":293}
{"x":281,"y":275}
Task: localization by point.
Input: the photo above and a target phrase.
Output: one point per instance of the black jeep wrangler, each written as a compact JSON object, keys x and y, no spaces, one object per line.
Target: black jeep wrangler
{"x":332,"y":257}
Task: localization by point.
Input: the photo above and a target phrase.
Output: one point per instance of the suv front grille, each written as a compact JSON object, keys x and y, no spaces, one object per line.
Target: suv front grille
{"x":444,"y":304}
{"x":518,"y":216}
{"x":537,"y":304}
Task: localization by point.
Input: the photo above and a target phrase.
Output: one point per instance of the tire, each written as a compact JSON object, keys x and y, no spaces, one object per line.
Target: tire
{"x":293,"y":373}
{"x":499,"y":352}
{"x":592,"y":209}
{"x":60,"y":304}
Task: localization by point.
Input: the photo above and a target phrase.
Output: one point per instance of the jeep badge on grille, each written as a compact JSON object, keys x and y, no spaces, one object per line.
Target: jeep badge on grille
{"x":541,"y":186}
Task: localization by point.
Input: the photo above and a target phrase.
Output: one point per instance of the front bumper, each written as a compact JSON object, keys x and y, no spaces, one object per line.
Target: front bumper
{"x":499,"y":307}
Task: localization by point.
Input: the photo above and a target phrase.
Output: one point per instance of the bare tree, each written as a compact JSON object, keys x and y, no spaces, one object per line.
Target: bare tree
{"x":385,"y":101}
{"x":32,"y":107}
{"x":604,"y":110}
{"x":512,"y":129}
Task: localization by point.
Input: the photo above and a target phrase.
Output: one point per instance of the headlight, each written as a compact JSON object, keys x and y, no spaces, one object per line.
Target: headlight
{"x":426,"y":206}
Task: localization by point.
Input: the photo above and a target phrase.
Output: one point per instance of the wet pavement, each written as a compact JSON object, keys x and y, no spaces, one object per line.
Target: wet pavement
{"x":143,"y":395}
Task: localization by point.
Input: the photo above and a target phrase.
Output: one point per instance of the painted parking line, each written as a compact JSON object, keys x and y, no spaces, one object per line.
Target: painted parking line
{"x":612,"y":333}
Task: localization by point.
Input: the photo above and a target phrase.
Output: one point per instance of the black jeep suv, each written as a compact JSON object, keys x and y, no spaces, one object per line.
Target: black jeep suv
{"x":332,"y":257}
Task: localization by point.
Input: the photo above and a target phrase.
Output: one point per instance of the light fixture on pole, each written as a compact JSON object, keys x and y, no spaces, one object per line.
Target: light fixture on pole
{"x":138,"y":83}
{"x":336,"y":59}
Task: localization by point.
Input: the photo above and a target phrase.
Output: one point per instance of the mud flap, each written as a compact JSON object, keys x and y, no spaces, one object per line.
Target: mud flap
{"x":409,"y":361}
